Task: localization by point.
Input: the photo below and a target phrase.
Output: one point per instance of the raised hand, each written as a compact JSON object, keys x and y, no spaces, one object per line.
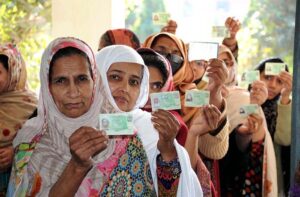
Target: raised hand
{"x":86,"y":142}
{"x":253,"y":124}
{"x":233,"y":25}
{"x":287,"y":81}
{"x":258,"y":93}
{"x":167,"y":126}
{"x":171,"y":27}
{"x":206,"y":119}
{"x":217,"y":73}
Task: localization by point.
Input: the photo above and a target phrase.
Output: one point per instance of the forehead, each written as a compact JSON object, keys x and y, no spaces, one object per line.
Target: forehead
{"x":70,"y":64}
{"x":224,"y":55}
{"x":166,"y":42}
{"x":127,"y":68}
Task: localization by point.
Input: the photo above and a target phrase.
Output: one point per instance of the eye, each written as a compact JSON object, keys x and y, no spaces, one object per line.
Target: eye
{"x":83,"y":78}
{"x":279,"y":81}
{"x":268,"y":77}
{"x":156,"y":86}
{"x":59,"y":81}
{"x":134,"y":82}
{"x":114,"y":77}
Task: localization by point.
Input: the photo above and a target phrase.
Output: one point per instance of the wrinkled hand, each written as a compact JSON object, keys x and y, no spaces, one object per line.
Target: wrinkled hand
{"x":233,"y":25}
{"x":167,"y":126}
{"x":206,"y":119}
{"x":6,"y":158}
{"x":287,"y":81}
{"x":253,"y":124}
{"x":171,"y":27}
{"x":86,"y":142}
{"x":258,"y":93}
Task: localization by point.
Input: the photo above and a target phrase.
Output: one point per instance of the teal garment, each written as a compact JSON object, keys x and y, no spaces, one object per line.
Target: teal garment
{"x":4,"y":179}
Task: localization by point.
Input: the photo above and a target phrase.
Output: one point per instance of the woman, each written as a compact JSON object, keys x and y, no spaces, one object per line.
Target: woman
{"x":250,"y":142}
{"x":161,"y":80}
{"x":66,"y":155}
{"x":122,"y":69}
{"x":213,"y":145}
{"x":16,"y":105}
{"x":277,"y":109}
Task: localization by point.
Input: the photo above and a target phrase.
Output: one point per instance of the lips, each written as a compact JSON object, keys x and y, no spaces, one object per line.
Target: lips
{"x":121,"y":99}
{"x":71,"y":106}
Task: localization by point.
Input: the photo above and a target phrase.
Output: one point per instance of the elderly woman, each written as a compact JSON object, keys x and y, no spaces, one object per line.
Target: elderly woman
{"x":16,"y":105}
{"x":61,"y":153}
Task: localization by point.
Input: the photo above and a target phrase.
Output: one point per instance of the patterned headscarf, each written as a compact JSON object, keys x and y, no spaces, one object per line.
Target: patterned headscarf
{"x":17,"y":103}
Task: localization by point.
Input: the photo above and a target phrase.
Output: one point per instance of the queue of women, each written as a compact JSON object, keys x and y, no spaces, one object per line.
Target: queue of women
{"x":55,"y":147}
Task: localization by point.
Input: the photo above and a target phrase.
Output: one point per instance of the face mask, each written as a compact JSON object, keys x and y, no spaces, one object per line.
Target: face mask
{"x":175,"y":61}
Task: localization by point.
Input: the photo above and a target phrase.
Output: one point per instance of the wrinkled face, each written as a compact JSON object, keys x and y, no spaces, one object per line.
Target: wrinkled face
{"x":274,"y":84}
{"x":71,"y":85}
{"x":199,"y":67}
{"x":156,"y":80}
{"x":124,"y":81}
{"x":3,"y":78}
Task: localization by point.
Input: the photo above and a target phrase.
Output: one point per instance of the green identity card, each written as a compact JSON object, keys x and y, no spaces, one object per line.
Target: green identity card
{"x":160,"y":18}
{"x":247,"y":110}
{"x":165,"y":100}
{"x":248,"y":77}
{"x":117,"y":123}
{"x":219,"y":32}
{"x":196,"y":98}
{"x":274,"y":68}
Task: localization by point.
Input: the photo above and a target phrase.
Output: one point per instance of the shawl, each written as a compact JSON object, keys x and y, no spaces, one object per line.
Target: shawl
{"x":48,"y":133}
{"x":236,"y":98}
{"x":188,"y":183}
{"x":183,"y":78}
{"x":119,"y":36}
{"x":16,"y":102}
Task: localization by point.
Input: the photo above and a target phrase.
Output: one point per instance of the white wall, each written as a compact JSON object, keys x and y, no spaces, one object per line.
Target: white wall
{"x":86,"y":19}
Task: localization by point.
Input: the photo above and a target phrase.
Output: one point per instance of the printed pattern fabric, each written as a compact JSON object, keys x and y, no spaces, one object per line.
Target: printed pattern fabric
{"x":132,"y":175}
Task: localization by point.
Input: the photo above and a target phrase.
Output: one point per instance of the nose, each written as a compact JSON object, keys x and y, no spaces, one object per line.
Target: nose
{"x":73,"y":90}
{"x":272,"y":83}
{"x":125,"y":86}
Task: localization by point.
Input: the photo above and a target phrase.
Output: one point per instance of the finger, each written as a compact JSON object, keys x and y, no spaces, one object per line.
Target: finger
{"x":96,"y":136}
{"x":166,"y":116}
{"x":89,"y":149}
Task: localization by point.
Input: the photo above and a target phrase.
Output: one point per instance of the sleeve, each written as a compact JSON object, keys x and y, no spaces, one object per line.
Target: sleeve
{"x":168,"y":174}
{"x":188,"y":184}
{"x":282,"y":134}
{"x":216,"y":146}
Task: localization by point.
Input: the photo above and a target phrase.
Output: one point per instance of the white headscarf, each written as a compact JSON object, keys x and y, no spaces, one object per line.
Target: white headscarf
{"x":188,"y":182}
{"x":121,"y":53}
{"x":48,"y":113}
